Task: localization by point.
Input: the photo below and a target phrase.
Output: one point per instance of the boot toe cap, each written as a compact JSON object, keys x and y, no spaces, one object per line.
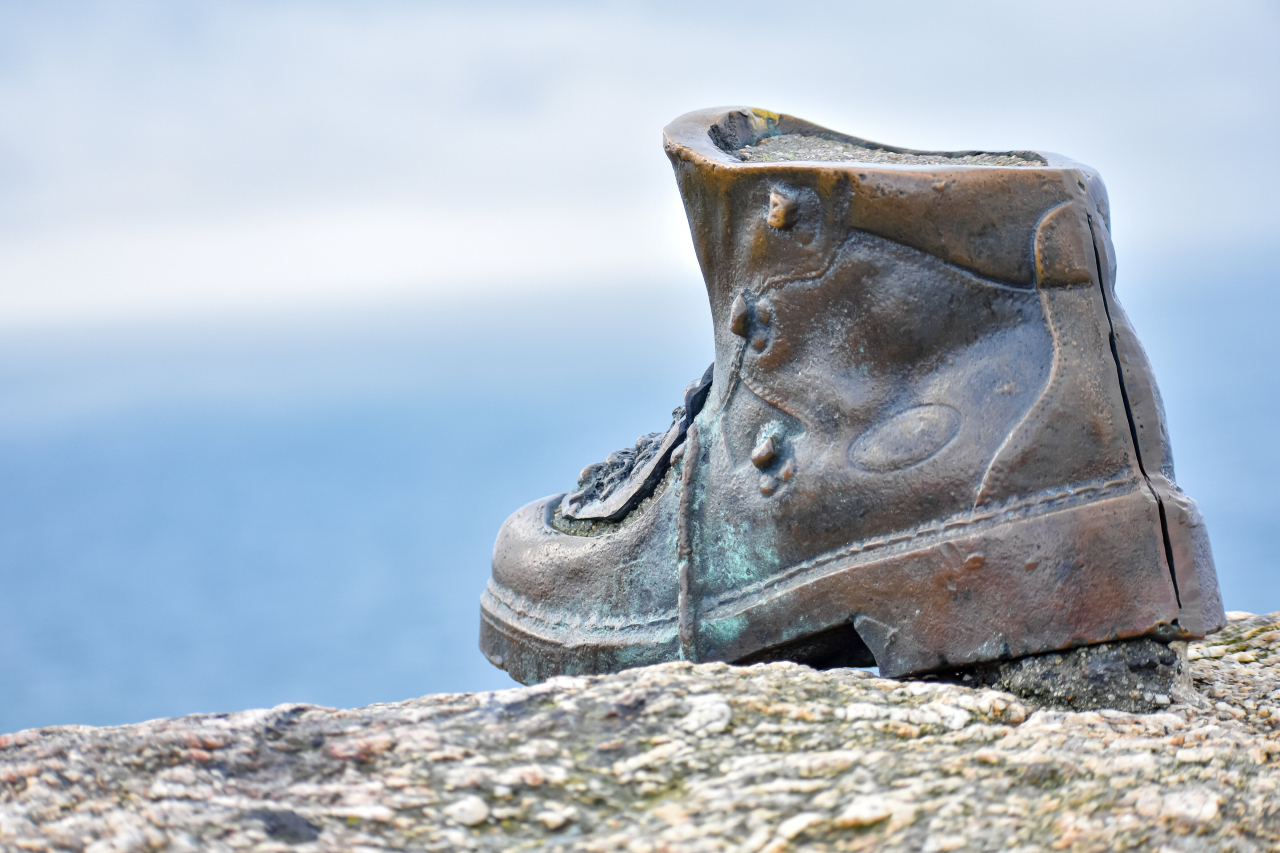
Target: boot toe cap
{"x":529,"y":554}
{"x":560,"y":602}
{"x":609,"y":575}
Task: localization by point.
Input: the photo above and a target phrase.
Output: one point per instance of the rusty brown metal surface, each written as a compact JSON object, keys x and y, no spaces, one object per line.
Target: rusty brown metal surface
{"x":930,"y":437}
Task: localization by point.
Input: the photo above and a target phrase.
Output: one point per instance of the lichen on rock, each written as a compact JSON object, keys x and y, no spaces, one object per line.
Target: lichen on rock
{"x":678,"y":757}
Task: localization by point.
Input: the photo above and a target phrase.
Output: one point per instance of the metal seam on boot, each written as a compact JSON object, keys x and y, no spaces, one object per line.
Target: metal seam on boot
{"x":1128,"y":411}
{"x":774,"y":282}
{"x":764,"y":395}
{"x":988,"y":485}
{"x":1015,"y":508}
{"x":735,"y":376}
{"x":1058,"y":274}
{"x":684,"y":547}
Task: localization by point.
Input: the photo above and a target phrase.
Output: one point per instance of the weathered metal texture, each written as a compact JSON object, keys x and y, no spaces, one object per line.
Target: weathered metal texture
{"x":610,"y":490}
{"x":931,"y":437}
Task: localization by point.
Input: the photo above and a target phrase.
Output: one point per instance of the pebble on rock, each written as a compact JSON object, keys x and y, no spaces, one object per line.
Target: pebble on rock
{"x":468,"y":811}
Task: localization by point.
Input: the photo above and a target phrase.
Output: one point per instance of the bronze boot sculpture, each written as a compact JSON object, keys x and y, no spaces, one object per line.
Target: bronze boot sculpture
{"x":929,"y":439}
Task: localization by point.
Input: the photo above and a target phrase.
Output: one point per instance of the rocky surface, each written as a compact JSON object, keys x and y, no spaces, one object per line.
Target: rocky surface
{"x":796,"y":146}
{"x":1134,"y":675}
{"x":679,"y":758}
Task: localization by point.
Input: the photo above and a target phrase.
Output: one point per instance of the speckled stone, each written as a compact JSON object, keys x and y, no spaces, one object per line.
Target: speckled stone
{"x":678,"y":757}
{"x":796,"y":146}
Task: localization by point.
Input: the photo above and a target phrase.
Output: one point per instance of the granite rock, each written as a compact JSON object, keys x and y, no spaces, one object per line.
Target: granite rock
{"x":678,"y":757}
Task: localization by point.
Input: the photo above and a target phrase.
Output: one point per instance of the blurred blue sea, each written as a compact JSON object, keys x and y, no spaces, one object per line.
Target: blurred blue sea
{"x":299,"y":515}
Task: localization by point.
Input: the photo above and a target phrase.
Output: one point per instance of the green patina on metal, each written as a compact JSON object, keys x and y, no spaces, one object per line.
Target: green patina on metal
{"x":722,"y":632}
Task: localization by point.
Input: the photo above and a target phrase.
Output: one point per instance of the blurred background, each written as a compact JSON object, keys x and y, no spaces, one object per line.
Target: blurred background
{"x":298,"y":301}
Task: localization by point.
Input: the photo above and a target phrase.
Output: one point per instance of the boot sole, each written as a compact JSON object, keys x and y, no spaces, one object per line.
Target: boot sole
{"x":1033,"y":576}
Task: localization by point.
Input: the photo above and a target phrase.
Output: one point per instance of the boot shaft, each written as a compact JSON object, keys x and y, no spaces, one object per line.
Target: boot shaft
{"x":902,"y":345}
{"x":832,"y":285}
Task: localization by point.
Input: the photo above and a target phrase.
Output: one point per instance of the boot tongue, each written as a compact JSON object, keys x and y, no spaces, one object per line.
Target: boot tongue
{"x":608,"y":490}
{"x":695,"y":396}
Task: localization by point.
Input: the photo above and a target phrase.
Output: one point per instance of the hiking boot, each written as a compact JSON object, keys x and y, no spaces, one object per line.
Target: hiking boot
{"x":930,"y":437}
